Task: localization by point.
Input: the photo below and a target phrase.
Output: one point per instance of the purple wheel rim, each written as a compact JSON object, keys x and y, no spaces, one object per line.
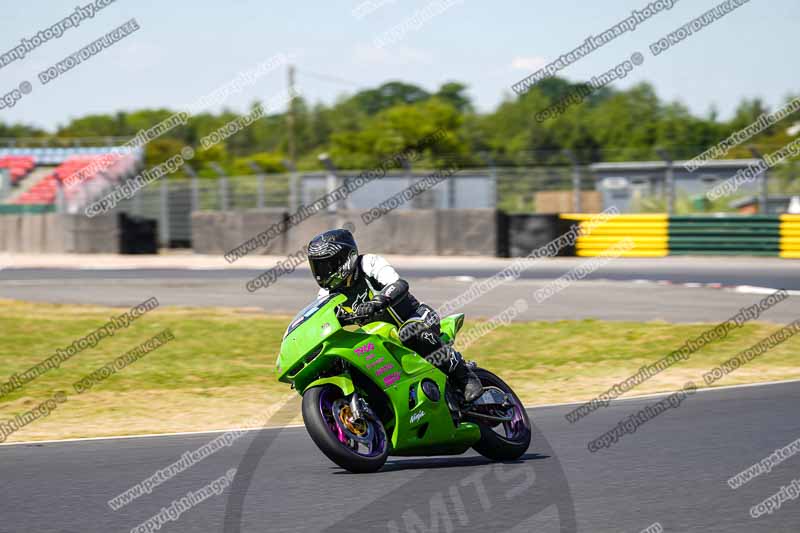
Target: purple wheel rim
{"x":376,"y":447}
{"x":515,"y":429}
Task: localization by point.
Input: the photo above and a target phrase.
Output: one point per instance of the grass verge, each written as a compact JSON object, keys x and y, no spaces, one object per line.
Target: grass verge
{"x":218,"y":372}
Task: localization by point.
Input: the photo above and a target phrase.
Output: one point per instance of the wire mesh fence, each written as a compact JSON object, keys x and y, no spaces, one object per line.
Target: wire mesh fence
{"x":630,"y":186}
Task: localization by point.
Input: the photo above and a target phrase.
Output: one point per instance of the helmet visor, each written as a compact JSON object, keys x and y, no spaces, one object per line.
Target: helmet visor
{"x":329,"y":271}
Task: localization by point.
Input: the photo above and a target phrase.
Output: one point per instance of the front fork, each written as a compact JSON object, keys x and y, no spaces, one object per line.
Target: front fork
{"x":360,"y":409}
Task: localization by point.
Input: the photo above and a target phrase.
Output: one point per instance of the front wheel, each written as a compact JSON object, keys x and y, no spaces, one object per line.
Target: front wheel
{"x":357,"y":446}
{"x":503,"y":441}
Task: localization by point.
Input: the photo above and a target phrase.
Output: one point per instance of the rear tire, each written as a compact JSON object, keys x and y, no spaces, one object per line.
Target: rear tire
{"x":518,"y":433}
{"x":317,"y":400}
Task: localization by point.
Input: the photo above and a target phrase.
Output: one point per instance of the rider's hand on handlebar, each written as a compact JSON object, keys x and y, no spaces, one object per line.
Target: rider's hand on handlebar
{"x":366,"y":309}
{"x":363,"y":312}
{"x":346,"y":317}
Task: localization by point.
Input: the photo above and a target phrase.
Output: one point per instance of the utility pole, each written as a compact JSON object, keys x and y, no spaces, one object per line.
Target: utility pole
{"x":290,"y":115}
{"x":294,"y":186}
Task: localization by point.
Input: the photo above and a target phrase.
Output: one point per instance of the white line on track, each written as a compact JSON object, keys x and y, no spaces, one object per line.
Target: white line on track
{"x":750,"y":289}
{"x":149,"y":435}
{"x":667,"y":393}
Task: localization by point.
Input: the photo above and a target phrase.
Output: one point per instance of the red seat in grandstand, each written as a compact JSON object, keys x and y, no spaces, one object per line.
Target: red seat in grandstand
{"x":17,"y":166}
{"x":73,"y":175}
{"x":44,"y":192}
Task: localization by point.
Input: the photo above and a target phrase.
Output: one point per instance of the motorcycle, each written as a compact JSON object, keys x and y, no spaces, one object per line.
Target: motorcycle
{"x":366,"y":396}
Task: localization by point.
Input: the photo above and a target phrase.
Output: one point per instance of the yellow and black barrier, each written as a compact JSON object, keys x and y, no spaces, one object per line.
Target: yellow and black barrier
{"x":790,"y":236}
{"x":658,"y":235}
{"x":649,"y":234}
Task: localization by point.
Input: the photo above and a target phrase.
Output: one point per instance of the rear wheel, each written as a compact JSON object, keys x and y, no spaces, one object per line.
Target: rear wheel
{"x":358,"y":446}
{"x":503,"y":441}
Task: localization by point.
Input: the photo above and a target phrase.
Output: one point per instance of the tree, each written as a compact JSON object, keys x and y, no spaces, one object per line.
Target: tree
{"x":373,"y":101}
{"x":396,"y":129}
{"x":360,"y":129}
{"x":20,"y":130}
{"x":453,"y":93}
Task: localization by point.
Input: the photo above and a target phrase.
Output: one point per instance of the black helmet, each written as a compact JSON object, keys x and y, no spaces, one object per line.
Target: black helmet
{"x":332,"y":256}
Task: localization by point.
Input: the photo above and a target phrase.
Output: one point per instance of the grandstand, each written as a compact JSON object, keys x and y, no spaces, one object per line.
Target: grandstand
{"x":65,"y":178}
{"x":18,"y":166}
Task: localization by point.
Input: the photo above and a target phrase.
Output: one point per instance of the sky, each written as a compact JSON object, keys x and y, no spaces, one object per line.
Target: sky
{"x":184,"y":49}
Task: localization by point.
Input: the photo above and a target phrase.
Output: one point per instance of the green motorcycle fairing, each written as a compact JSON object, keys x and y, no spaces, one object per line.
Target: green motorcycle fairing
{"x":315,"y":341}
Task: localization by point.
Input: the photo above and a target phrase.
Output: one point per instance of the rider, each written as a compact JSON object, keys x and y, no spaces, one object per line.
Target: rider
{"x":374,"y":289}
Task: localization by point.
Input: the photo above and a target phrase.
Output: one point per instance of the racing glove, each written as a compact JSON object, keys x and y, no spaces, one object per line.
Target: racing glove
{"x":369,"y":308}
{"x":390,"y":295}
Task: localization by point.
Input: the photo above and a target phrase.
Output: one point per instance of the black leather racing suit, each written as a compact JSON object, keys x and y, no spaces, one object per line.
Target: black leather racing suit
{"x":418,"y":323}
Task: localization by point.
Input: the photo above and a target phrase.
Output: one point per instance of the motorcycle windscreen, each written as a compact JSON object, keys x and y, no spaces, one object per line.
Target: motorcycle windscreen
{"x":307,"y":312}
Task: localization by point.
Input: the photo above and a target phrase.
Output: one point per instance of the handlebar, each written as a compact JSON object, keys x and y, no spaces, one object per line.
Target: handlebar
{"x":346,"y":318}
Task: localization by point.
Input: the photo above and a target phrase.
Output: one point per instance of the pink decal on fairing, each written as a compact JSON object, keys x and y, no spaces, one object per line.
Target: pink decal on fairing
{"x":377,"y":361}
{"x":384,"y":368}
{"x":363,"y":349}
{"x":391,"y":378}
{"x":367,"y":349}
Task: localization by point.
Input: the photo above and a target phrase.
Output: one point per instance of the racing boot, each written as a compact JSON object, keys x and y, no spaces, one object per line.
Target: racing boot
{"x":464,"y":377}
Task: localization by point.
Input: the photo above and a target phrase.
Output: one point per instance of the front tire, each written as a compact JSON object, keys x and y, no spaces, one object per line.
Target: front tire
{"x":321,"y":406}
{"x":513,"y":438}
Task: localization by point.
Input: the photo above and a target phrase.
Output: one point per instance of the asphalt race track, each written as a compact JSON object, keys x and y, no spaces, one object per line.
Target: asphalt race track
{"x":672,"y":470}
{"x":763,"y":272}
{"x":672,"y":289}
